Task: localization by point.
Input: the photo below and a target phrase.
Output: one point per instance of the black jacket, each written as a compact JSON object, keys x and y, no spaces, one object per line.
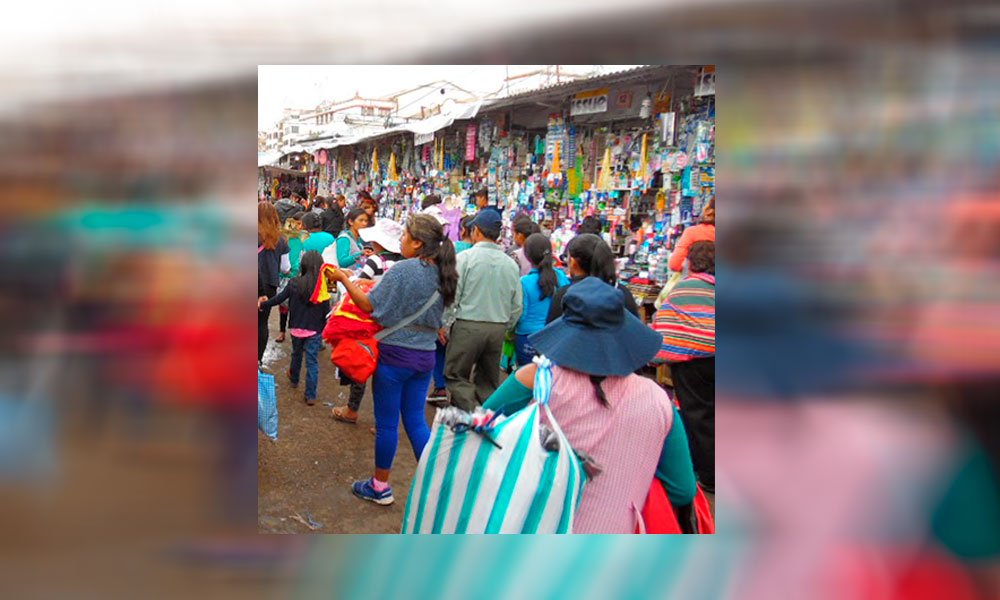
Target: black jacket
{"x":286,"y":209}
{"x":302,"y":314}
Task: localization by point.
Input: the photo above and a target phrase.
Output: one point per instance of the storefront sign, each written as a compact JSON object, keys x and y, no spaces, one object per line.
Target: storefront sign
{"x":588,"y":103}
{"x":470,"y":142}
{"x":419,"y":139}
{"x":623,"y":100}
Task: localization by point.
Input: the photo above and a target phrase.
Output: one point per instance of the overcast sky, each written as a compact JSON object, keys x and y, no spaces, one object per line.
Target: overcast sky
{"x":305,"y":86}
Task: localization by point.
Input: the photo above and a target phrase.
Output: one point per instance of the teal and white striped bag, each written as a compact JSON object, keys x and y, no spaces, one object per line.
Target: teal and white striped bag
{"x":466,"y":483}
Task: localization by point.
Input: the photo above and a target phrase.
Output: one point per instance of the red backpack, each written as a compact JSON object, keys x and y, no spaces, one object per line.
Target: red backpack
{"x":357,"y":358}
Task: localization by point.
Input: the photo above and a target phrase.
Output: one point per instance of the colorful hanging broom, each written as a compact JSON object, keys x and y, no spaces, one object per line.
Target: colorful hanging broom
{"x":393,"y":175}
{"x":604,"y":179}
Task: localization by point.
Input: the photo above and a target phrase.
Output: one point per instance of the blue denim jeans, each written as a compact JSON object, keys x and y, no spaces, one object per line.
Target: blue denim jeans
{"x":311,"y":346}
{"x":396,"y":392}
{"x":439,"y":382}
{"x":523,"y":350}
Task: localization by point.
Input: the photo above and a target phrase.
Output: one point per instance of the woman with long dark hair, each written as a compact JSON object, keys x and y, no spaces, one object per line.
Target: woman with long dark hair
{"x":349,"y":251}
{"x":537,"y":287}
{"x":421,"y":285}
{"x":589,"y":256}
{"x":272,"y":260}
{"x":306,"y":320}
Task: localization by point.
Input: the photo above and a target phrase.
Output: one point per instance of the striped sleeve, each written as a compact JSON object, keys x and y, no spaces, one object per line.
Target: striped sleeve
{"x":371,"y":270}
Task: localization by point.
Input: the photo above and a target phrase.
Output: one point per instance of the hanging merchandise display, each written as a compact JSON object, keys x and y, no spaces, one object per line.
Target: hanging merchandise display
{"x":604,"y":179}
{"x":470,"y":142}
{"x":637,"y":157}
{"x":642,"y":179}
{"x":393,"y":175}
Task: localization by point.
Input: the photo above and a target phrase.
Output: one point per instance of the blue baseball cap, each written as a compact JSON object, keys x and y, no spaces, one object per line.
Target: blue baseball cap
{"x":488,"y":220}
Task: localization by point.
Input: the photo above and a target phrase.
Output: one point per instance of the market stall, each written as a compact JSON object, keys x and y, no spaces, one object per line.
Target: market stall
{"x":278,"y":182}
{"x":635,"y":150}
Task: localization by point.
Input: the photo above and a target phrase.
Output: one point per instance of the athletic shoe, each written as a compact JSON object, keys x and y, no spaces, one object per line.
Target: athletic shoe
{"x":438,"y":394}
{"x":365,"y":491}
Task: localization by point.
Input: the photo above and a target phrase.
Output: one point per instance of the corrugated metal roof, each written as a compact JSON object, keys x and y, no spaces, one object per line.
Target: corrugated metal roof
{"x":579,"y":85}
{"x":439,"y":122}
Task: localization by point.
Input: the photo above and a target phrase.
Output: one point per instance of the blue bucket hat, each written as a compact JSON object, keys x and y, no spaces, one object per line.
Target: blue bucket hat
{"x":596,"y":335}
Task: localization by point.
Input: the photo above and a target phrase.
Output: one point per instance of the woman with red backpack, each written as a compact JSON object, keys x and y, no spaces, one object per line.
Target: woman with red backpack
{"x":415,"y":291}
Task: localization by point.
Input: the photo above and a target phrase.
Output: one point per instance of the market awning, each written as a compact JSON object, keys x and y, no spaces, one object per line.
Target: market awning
{"x":422,"y":127}
{"x":282,"y":170}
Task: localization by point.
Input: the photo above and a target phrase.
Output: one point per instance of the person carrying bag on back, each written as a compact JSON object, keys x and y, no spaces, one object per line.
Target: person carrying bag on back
{"x":406,"y":355}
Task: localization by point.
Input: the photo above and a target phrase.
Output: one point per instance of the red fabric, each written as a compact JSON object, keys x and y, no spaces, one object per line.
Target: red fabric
{"x":703,"y":512}
{"x":657,"y":513}
{"x":356,"y":358}
{"x":347,"y":321}
{"x":340,"y":328}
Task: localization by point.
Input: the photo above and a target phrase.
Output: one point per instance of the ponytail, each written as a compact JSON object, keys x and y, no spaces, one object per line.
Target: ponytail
{"x":602,"y":264}
{"x":596,"y":380}
{"x":437,"y":247}
{"x":538,"y":250}
{"x":447,"y":272}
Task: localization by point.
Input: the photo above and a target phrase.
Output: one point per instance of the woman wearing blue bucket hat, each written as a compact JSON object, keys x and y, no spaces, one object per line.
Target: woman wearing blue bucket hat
{"x":625,"y":422}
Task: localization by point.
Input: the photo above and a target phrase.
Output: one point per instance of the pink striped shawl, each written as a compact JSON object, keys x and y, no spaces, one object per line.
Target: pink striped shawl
{"x":625,"y":440}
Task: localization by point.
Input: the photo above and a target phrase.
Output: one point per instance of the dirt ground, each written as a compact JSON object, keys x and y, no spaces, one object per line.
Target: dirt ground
{"x":311,"y":466}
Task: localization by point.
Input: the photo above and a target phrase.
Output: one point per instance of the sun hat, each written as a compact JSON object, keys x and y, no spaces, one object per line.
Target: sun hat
{"x":595,"y":334}
{"x":385,"y":233}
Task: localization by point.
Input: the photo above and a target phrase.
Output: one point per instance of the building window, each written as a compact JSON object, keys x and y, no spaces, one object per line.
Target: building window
{"x":384,"y":111}
{"x":367,"y":111}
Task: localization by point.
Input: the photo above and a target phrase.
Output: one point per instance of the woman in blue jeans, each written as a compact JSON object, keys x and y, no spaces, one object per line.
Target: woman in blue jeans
{"x":406,"y":357}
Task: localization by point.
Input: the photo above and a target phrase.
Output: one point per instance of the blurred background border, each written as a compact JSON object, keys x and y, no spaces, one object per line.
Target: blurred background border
{"x":858,"y":329}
